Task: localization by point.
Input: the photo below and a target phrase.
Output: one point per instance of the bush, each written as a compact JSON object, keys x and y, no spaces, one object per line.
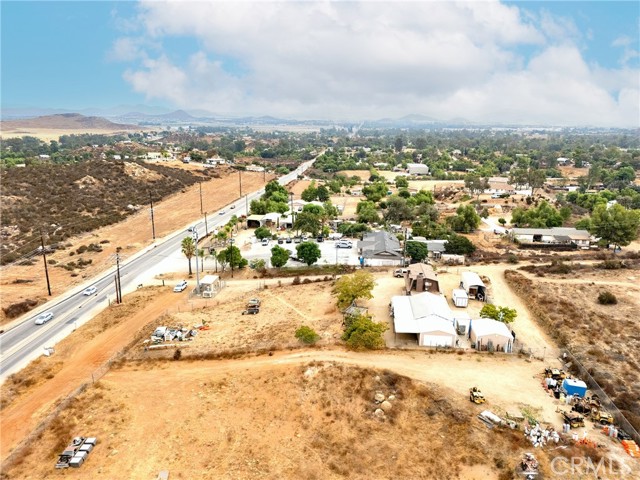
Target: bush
{"x":512,"y":258}
{"x":296,"y":280}
{"x":177,"y":355}
{"x":307,"y":335}
{"x":607,"y":298}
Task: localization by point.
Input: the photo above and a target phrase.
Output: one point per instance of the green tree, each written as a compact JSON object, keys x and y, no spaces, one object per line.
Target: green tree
{"x":351,"y":287}
{"x":475,"y":183}
{"x":231,"y":256}
{"x":308,"y":222}
{"x":189,"y":249}
{"x":459,"y":245}
{"x":363,"y":333}
{"x":322,"y":193}
{"x":375,"y":192}
{"x":418,"y":251}
{"x":542,"y":216}
{"x":262,"y":232}
{"x":536,"y":179}
{"x":308,"y":252}
{"x":310,"y":193}
{"x":502,"y":221}
{"x":397,"y":210}
{"x":402,"y":182}
{"x":398,"y":144}
{"x":307,"y":335}
{"x":502,"y":314}
{"x":615,"y":225}
{"x":466,"y":219}
{"x":279,"y":256}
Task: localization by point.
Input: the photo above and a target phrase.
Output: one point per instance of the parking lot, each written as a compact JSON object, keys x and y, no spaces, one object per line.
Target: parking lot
{"x":331,"y":255}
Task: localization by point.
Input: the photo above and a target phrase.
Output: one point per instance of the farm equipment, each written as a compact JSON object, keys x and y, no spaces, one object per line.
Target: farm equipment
{"x":573,"y":419}
{"x":599,"y":415}
{"x":476,"y":396}
{"x":555,"y":373}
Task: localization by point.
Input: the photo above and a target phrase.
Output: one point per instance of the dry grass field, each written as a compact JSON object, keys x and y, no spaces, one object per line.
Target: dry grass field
{"x":246,"y":420}
{"x":604,"y":338}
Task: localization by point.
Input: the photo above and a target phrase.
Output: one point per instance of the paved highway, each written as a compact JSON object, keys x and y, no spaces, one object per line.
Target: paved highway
{"x":27,"y":340}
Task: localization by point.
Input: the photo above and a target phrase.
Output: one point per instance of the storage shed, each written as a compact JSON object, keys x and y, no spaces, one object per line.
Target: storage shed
{"x":460,"y":297}
{"x":491,"y":335}
{"x":439,"y":333}
{"x":427,"y":315}
{"x":572,"y":386}
{"x":473,"y":285}
{"x":210,"y":285}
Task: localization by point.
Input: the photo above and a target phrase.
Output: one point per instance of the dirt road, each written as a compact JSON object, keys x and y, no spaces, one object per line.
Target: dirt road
{"x":21,"y":417}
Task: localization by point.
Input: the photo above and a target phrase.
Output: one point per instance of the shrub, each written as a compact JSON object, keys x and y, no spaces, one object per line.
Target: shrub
{"x":364,"y":334}
{"x":512,"y":258}
{"x":177,"y":355}
{"x":296,"y":280}
{"x":307,"y":335}
{"x":607,"y":298}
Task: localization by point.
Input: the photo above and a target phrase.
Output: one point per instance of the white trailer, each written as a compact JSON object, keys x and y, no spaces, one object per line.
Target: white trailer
{"x":460,"y":297}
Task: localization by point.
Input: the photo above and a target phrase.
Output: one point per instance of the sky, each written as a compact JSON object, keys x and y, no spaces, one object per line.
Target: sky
{"x":542,"y":63}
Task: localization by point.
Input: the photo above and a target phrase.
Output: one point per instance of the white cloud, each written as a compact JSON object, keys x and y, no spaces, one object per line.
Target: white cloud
{"x":375,"y":59}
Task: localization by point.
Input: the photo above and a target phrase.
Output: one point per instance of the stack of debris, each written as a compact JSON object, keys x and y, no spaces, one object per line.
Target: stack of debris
{"x":529,"y":466}
{"x":76,"y":453}
{"x":169,"y":334}
{"x":539,"y":436}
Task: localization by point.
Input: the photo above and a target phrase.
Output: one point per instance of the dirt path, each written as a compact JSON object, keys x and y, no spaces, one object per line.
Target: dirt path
{"x":23,"y":416}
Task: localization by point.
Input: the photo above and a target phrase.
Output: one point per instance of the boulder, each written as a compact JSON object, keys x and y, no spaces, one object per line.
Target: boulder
{"x":386,"y":406}
{"x":379,"y":413}
{"x":379,"y":397}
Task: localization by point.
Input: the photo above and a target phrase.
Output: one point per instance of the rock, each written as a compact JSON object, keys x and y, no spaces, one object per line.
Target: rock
{"x":379,"y":413}
{"x":391,"y":398}
{"x":386,"y":406}
{"x":379,"y":397}
{"x":377,"y":378}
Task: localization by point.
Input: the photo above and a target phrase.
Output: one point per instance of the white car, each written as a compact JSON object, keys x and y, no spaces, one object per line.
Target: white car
{"x":265,"y":242}
{"x":180,"y":287}
{"x":222,"y":212}
{"x":89,"y":291}
{"x":44,"y":318}
{"x":344,"y":244}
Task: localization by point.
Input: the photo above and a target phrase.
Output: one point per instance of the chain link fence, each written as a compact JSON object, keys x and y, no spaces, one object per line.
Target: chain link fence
{"x":571,"y":362}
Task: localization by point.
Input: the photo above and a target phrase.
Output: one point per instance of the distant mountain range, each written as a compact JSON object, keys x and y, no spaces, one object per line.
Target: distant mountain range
{"x":65,"y":121}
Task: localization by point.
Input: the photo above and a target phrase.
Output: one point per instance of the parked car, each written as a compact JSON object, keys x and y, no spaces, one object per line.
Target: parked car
{"x":297,"y":239}
{"x":305,"y":238}
{"x":288,"y":240}
{"x":251,"y":311}
{"x":320,"y":239}
{"x":180,"y":287}
{"x":265,"y":242}
{"x":253,"y":302}
{"x":89,"y":291}
{"x":400,"y":272}
{"x":44,"y":318}
{"x":344,"y":244}
{"x":280,"y":240}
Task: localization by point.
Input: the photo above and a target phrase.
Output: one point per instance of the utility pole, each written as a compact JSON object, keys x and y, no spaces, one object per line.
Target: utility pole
{"x":44,"y":258}
{"x":119,"y":283}
{"x":201,"y":209}
{"x":153,"y":224}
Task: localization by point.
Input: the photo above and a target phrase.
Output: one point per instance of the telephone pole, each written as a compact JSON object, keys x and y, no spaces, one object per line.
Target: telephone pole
{"x":118,"y":282}
{"x":44,"y":258}
{"x":153,"y":224}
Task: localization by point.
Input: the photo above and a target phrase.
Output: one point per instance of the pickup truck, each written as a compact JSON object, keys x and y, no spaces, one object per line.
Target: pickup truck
{"x":400,"y":272}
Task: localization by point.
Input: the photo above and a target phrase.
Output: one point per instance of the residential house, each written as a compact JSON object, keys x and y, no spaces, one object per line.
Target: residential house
{"x":417,"y":169}
{"x":381,"y":249}
{"x":553,"y":236}
{"x":421,"y":277}
{"x":427,"y":315}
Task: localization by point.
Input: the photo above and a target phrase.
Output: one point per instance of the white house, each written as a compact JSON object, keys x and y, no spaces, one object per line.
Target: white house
{"x":154,"y":155}
{"x":417,"y":169}
{"x":427,"y":315}
{"x":492,"y":335}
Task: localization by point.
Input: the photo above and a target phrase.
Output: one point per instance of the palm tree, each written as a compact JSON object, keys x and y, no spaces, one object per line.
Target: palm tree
{"x":189,"y":250}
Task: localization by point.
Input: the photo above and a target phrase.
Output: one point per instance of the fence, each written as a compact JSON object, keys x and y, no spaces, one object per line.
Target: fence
{"x":604,"y":398}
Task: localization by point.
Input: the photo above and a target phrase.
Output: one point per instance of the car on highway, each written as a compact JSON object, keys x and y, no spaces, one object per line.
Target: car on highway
{"x":222,"y":212}
{"x":44,"y":318}
{"x":232,"y":206}
{"x":89,"y":291}
{"x":180,"y":287}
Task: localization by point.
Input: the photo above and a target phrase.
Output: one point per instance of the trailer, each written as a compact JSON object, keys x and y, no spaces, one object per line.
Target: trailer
{"x":460,"y":297}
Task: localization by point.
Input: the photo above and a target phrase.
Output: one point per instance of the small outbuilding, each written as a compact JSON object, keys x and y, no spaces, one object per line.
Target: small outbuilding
{"x":427,"y":315}
{"x":473,"y":285}
{"x":573,"y":386}
{"x":460,"y":297}
{"x":490,"y":335}
{"x":210,"y":285}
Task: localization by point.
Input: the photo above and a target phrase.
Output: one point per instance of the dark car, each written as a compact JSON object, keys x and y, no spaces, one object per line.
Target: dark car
{"x":251,"y":311}
{"x":280,"y":241}
{"x":288,"y":240}
{"x":320,"y":239}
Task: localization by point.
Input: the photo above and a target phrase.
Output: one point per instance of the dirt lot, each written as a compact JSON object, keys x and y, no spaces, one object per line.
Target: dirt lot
{"x":605,"y":338}
{"x":296,"y":416}
{"x":19,"y":283}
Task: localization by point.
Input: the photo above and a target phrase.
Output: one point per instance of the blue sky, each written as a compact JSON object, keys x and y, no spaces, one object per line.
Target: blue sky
{"x":521,"y":62}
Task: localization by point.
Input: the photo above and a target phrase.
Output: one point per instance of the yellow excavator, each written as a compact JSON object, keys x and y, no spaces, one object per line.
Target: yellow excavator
{"x":476,"y":396}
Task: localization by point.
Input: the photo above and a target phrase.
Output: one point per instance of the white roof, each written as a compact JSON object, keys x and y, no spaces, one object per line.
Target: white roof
{"x":424,"y":312}
{"x":209,"y":279}
{"x":489,"y":326}
{"x":460,"y":293}
{"x":471,"y":279}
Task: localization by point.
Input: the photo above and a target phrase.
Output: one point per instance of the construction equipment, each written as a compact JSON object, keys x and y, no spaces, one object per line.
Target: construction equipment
{"x":476,"y":396}
{"x":254,"y":302}
{"x":251,"y":311}
{"x":573,"y":419}
{"x":555,"y":373}
{"x":599,"y":415}
{"x":581,"y":405}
